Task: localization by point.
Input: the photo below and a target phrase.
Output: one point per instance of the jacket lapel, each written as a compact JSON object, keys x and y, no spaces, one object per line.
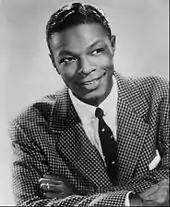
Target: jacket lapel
{"x":132,"y":130}
{"x":74,"y":144}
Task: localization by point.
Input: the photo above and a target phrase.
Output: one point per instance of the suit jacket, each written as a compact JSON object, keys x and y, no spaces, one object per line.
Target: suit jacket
{"x":48,"y":137}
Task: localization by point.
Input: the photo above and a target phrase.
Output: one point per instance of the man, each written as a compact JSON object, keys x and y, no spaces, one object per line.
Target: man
{"x":101,"y":141}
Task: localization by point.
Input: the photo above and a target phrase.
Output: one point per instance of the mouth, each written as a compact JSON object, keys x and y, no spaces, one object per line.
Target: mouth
{"x":91,"y":82}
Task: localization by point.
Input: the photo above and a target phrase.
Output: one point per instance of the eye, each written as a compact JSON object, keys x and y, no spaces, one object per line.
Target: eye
{"x":67,"y":60}
{"x":98,"y":51}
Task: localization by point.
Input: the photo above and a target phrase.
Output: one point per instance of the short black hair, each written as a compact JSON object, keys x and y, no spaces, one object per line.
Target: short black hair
{"x":74,"y":14}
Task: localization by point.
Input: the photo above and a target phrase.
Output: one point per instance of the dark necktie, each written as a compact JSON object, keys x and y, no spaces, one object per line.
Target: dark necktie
{"x":109,"y":146}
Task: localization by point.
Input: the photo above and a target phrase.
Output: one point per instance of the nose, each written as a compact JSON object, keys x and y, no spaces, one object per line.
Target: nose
{"x":86,"y":66}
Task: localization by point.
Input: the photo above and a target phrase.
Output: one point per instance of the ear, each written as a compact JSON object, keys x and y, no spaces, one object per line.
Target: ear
{"x":53,"y":62}
{"x":113,"y":43}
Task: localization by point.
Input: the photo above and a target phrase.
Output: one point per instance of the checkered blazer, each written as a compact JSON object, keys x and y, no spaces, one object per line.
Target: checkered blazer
{"x":49,"y":137}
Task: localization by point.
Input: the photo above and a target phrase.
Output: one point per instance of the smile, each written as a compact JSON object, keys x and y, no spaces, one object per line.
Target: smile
{"x":94,"y":80}
{"x":93,"y":84}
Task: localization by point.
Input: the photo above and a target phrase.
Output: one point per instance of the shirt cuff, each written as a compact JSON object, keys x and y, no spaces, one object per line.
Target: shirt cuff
{"x":127,"y":201}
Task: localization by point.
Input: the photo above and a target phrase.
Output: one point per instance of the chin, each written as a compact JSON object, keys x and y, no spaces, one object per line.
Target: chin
{"x":94,"y":98}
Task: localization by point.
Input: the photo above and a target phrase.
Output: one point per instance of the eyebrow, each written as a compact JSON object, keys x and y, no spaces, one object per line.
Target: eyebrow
{"x":95,"y":43}
{"x":69,"y":53}
{"x":65,"y":52}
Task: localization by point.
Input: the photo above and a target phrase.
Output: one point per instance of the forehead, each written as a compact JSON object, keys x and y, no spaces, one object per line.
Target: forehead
{"x":78,"y":37}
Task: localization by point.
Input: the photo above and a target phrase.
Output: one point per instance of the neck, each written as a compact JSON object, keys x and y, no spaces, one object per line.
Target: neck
{"x":96,"y":101}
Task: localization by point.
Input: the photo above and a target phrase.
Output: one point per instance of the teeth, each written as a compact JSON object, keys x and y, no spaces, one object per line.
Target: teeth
{"x":91,"y":82}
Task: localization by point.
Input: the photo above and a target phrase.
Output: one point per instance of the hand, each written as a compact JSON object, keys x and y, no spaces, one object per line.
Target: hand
{"x":55,"y":187}
{"x":158,"y":194}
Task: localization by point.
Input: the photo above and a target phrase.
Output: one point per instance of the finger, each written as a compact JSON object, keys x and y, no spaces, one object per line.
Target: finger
{"x":57,"y":178}
{"x":149,"y":203}
{"x":52,"y":188}
{"x":51,"y":176}
{"x":161,"y":196}
{"x":54,"y":177}
{"x":164,"y":182}
{"x":50,"y":181}
{"x":153,"y":189}
{"x":149,"y":191}
{"x":57,"y":188}
{"x":44,"y":187}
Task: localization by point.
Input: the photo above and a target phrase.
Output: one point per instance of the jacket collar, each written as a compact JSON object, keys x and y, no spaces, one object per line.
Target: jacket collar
{"x":130,"y":94}
{"x":63,"y":112}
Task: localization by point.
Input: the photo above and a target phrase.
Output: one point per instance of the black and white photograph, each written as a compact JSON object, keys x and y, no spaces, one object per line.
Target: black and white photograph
{"x":84,"y":116}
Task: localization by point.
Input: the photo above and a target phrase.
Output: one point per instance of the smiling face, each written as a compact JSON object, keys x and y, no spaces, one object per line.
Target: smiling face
{"x":83,"y":56}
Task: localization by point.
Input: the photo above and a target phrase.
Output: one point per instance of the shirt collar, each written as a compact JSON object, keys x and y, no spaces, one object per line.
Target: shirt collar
{"x":87,"y":111}
{"x":110,"y":103}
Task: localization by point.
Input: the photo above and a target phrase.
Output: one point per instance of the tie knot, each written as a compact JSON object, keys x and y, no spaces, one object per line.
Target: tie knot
{"x":99,"y":113}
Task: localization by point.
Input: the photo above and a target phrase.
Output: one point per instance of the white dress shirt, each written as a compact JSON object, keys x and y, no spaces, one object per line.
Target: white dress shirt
{"x":89,"y":122}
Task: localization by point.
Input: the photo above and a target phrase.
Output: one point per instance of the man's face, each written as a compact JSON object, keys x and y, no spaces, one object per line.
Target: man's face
{"x":83,"y":56}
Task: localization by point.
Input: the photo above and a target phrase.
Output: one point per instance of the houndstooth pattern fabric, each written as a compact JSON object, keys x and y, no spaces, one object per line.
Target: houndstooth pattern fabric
{"x":48,"y":138}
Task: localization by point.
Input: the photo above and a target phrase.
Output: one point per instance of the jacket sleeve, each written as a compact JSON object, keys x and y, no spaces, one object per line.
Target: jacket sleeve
{"x":30,"y":164}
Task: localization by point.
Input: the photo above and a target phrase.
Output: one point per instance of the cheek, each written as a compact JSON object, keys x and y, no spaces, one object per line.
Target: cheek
{"x":67,"y":72}
{"x":68,"y":76}
{"x":105,"y":62}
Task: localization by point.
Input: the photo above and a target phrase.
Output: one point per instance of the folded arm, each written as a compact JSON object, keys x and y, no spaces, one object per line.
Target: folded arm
{"x":30,"y":164}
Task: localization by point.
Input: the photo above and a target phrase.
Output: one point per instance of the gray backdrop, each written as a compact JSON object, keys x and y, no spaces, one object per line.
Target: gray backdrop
{"x":26,"y":73}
